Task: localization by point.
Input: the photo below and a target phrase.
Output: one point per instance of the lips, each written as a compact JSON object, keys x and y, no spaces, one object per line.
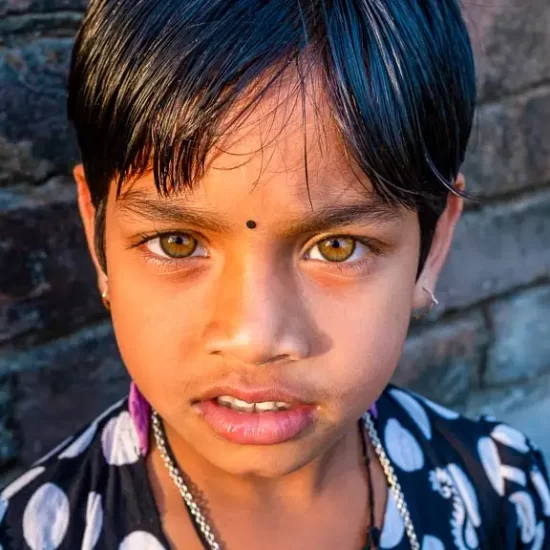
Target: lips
{"x":255,"y":416}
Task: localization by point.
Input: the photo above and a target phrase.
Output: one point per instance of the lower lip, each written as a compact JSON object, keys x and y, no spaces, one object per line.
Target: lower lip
{"x":265,"y":428}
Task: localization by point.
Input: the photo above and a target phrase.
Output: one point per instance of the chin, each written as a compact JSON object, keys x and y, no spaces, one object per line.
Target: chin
{"x":267,"y":461}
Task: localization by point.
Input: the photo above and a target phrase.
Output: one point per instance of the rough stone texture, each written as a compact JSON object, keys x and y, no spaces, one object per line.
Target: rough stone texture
{"x":47,"y":283}
{"x":510,"y":145}
{"x":19,"y":7}
{"x":15,"y":30}
{"x":9,"y":441}
{"x":65,"y":384}
{"x":497,"y":249}
{"x":35,"y":138}
{"x":521,"y":348}
{"x":440,"y":361}
{"x":511,"y":39}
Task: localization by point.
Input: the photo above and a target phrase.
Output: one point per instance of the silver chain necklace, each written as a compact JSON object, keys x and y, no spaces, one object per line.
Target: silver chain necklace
{"x":207,"y":531}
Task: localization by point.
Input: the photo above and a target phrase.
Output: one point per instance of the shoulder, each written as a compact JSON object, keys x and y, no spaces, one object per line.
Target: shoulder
{"x":494,"y":468}
{"x":69,"y":482}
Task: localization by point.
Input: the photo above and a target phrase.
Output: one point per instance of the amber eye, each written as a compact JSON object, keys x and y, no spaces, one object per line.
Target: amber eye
{"x":177,"y":246}
{"x":337,"y":249}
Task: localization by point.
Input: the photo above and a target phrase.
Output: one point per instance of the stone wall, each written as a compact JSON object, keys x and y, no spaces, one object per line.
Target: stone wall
{"x":487,"y":347}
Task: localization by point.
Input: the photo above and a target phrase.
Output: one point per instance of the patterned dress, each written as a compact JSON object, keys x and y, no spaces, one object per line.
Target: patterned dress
{"x":468,"y":485}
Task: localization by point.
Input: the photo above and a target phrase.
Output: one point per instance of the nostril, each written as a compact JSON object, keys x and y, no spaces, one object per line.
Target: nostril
{"x":275,"y":359}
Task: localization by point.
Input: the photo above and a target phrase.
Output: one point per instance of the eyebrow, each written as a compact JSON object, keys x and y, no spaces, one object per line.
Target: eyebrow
{"x":325,"y":218}
{"x":369,"y":211}
{"x":137,"y":204}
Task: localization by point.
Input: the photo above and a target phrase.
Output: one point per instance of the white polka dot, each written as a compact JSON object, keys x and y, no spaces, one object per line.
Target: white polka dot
{"x":81,"y":443}
{"x":402,"y":447}
{"x":20,"y":482}
{"x":394,"y":528}
{"x":46,"y":518}
{"x":510,"y":437}
{"x":3,"y":508}
{"x":109,"y":410}
{"x":542,"y":489}
{"x":119,"y":440}
{"x":140,"y":540}
{"x":539,"y":537}
{"x":513,"y":474}
{"x":466,"y":491}
{"x":55,"y":450}
{"x":490,"y":459}
{"x":415,"y":411}
{"x":444,"y":412}
{"x":432,"y":543}
{"x":526,"y":515}
{"x":470,"y":535}
{"x":94,"y":521}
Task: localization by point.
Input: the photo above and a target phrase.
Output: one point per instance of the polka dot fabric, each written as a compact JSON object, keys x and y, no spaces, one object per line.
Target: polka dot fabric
{"x":468,"y":484}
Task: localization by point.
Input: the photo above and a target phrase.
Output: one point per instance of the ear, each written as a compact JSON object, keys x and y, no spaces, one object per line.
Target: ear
{"x":441,"y":245}
{"x":87,"y":213}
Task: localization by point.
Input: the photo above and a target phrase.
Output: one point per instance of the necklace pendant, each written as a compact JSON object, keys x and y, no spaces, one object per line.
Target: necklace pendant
{"x":373,"y":539}
{"x":374,"y":536}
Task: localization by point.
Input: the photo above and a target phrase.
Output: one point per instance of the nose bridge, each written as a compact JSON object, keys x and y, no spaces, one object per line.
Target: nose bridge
{"x":258,"y":316}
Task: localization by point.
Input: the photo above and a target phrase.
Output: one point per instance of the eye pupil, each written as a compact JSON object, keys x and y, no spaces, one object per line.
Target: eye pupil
{"x":337,"y":249}
{"x":178,"y":246}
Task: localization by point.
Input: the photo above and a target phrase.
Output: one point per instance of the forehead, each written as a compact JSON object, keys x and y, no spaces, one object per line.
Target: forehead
{"x":288,"y":134}
{"x":284,"y":154}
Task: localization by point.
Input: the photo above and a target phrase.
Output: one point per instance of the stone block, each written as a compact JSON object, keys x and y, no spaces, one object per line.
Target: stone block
{"x":18,"y":29}
{"x":36,"y":140}
{"x":497,"y":249}
{"x":63,"y":385}
{"x":510,"y":145}
{"x":511,"y":40}
{"x":19,"y":7}
{"x":9,"y":445}
{"x":47,"y":281}
{"x":441,"y":361}
{"x":521,"y":347}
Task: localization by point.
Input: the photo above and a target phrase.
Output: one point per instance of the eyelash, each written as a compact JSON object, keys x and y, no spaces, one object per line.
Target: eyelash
{"x":373,"y":249}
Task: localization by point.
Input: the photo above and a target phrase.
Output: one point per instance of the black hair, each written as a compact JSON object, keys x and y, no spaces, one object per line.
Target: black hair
{"x":152,"y":82}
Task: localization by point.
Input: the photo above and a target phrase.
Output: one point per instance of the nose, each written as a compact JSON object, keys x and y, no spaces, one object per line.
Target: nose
{"x":259,"y":317}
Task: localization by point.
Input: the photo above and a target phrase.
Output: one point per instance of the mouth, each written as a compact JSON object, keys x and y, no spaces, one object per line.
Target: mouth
{"x":244,"y":406}
{"x":255,"y":416}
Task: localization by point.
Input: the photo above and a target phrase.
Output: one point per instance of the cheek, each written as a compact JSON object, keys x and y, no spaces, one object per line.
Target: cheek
{"x":156,"y":322}
{"x":368,"y":329}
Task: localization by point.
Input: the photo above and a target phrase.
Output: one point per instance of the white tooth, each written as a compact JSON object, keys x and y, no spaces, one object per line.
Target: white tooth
{"x":266,"y":406}
{"x":283,"y":405}
{"x":225,"y":400}
{"x":242,"y":405}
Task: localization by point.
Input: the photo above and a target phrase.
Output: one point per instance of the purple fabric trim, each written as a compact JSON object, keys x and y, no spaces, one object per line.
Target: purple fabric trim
{"x":140,"y":411}
{"x":373,"y":410}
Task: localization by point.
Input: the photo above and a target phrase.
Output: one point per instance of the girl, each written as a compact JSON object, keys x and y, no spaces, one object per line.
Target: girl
{"x":269,"y":190}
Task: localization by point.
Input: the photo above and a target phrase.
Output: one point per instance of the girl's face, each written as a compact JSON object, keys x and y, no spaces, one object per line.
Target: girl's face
{"x":309,"y":308}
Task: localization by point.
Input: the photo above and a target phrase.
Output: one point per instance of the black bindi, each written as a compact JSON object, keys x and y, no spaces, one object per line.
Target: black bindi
{"x":251,"y":224}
